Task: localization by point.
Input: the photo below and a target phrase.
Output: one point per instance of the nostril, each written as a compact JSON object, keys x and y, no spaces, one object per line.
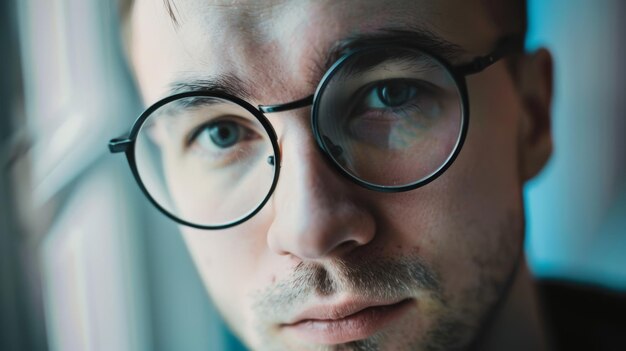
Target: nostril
{"x":314,"y":246}
{"x":346,"y":247}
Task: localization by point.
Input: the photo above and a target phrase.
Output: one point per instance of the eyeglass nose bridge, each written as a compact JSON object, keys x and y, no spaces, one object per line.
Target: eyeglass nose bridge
{"x":288,"y":106}
{"x":335,"y":150}
{"x":304,"y":102}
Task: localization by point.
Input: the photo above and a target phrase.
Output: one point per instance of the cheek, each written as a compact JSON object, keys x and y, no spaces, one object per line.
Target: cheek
{"x":221,"y":261}
{"x":485,"y":181}
{"x":468,"y":223}
{"x":233,"y":263}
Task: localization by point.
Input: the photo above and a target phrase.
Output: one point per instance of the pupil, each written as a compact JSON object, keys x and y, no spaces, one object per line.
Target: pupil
{"x":394,"y":94}
{"x":224,"y":134}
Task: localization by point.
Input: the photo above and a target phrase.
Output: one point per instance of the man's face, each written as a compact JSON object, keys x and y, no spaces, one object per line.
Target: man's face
{"x":326,"y":262}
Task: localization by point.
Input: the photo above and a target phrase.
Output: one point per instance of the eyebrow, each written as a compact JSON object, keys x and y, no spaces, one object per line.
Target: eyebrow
{"x":408,"y":37}
{"x":416,"y":37}
{"x":222,"y":83}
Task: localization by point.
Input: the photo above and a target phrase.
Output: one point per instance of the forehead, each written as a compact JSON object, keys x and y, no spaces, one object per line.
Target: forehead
{"x":275,"y":45}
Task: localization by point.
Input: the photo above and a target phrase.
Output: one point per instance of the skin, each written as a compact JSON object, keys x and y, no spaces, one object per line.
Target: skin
{"x":460,"y":237}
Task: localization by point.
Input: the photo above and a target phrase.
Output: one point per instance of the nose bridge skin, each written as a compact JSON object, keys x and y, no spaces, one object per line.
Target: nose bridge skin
{"x":316,"y":211}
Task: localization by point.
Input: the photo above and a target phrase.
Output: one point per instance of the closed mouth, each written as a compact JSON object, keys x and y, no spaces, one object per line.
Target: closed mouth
{"x":345,"y":322}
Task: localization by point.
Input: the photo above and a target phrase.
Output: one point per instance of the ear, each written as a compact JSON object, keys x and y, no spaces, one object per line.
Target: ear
{"x":535,"y":88}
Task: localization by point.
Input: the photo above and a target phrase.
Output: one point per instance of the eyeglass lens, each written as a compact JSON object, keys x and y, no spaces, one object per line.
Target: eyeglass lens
{"x":390,"y":117}
{"x":205,"y":160}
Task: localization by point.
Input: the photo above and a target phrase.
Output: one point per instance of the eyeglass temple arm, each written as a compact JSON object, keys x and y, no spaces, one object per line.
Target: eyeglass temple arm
{"x":288,"y":106}
{"x":119,"y":144}
{"x":506,"y":46}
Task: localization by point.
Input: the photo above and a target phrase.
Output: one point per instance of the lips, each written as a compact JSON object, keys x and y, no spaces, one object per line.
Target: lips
{"x":345,"y":322}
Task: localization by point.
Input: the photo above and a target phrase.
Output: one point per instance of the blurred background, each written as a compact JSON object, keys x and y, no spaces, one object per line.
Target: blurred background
{"x":87,"y":264}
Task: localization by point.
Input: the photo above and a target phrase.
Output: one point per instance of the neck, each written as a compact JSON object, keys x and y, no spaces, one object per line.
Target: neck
{"x":518,"y":324}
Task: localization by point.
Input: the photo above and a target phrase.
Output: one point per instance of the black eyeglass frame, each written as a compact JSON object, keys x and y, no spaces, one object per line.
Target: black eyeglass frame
{"x":506,"y":46}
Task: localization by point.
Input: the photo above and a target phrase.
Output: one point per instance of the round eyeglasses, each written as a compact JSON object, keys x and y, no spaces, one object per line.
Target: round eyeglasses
{"x":390,"y":118}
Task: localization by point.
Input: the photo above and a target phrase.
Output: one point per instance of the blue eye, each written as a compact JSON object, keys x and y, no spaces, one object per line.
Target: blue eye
{"x":222,"y":139}
{"x":390,"y":94}
{"x":222,"y":134}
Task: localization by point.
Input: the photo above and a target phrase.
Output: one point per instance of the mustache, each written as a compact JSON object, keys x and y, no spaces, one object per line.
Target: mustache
{"x":372,"y":278}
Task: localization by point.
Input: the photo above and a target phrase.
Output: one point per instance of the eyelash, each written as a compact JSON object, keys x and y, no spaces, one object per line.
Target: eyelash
{"x":423,"y":89}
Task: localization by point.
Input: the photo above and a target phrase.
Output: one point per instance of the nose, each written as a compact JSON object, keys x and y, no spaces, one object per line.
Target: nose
{"x":318,"y":213}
